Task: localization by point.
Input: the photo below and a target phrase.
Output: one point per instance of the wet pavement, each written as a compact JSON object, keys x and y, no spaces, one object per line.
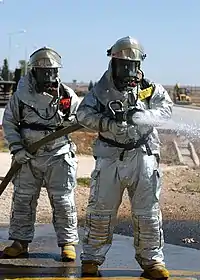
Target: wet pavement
{"x":75,"y":273}
{"x":44,"y":259}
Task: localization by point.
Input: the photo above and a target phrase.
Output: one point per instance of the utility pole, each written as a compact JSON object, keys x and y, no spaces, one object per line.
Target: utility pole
{"x":10,"y":45}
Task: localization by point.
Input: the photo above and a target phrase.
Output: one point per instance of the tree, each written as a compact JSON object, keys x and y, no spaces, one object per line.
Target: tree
{"x":5,"y":70}
{"x":90,"y":86}
{"x":23,"y":65}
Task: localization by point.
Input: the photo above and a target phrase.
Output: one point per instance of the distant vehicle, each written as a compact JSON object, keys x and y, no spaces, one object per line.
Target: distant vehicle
{"x":181,"y":95}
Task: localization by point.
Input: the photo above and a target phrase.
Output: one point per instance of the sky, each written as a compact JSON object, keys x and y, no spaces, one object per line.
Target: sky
{"x":81,"y":31}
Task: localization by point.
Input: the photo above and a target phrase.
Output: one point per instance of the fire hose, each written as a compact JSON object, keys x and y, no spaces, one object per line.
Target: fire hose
{"x":33,"y":149}
{"x":116,"y":109}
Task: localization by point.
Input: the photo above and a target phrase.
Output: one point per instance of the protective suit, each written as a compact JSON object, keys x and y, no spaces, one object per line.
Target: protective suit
{"x":125,"y":112}
{"x":41,"y":105}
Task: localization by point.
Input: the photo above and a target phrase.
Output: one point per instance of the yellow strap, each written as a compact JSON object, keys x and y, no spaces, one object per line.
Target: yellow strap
{"x":147,"y":92}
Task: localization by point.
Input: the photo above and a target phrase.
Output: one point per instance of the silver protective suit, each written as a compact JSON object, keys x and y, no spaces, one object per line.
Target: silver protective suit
{"x":138,"y":172}
{"x":53,"y":166}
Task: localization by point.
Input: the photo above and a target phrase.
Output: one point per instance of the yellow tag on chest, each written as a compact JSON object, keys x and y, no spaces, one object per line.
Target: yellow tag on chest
{"x":145,"y":93}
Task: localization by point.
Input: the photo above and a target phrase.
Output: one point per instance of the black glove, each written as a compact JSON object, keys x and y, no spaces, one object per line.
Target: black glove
{"x":22,"y":156}
{"x":120,"y":116}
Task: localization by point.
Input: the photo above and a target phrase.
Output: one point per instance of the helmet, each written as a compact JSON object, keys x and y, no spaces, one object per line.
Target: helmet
{"x":45,"y":63}
{"x":45,"y":58}
{"x":126,"y":57}
{"x":127,"y":48}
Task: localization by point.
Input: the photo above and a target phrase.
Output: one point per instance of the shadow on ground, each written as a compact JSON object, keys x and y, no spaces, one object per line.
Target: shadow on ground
{"x":174,"y":232}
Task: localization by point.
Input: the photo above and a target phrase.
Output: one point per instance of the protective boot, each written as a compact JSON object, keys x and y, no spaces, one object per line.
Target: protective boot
{"x":68,"y":253}
{"x":17,"y":249}
{"x":89,"y":268}
{"x":157,"y":271}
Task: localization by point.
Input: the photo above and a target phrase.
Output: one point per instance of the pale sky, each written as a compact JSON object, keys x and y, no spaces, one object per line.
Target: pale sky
{"x":81,"y":31}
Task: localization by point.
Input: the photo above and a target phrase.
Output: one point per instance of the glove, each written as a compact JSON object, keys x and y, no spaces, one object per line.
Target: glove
{"x":120,"y":116}
{"x":117,"y":128}
{"x":22,"y":156}
{"x":135,"y":116}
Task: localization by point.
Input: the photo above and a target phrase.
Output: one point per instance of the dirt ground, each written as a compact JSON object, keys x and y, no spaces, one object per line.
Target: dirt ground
{"x":180,"y":196}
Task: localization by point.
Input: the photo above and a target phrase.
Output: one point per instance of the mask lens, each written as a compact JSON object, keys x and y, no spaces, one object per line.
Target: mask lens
{"x":46,"y":78}
{"x":124,"y":71}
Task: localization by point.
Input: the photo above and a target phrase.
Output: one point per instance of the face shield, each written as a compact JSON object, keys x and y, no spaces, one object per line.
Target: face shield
{"x":126,"y":57}
{"x":47,"y":79}
{"x":45,"y":64}
{"x":124,"y":72}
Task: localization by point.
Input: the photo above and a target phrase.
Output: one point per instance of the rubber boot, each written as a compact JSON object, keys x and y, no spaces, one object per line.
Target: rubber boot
{"x":157,"y":271}
{"x":68,"y":253}
{"x":89,"y":268}
{"x":17,"y":249}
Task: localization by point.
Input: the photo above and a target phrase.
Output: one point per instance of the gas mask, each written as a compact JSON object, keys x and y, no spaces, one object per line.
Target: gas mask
{"x":47,"y":80}
{"x":125,"y":73}
{"x":126,"y":57}
{"x":45,"y":63}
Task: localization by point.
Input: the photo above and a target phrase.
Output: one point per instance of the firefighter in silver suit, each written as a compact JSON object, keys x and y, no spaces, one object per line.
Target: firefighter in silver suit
{"x":125,"y":110}
{"x":41,"y":105}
